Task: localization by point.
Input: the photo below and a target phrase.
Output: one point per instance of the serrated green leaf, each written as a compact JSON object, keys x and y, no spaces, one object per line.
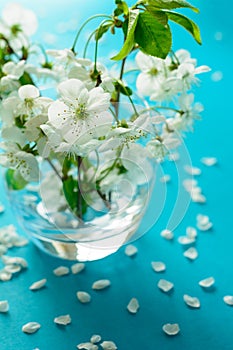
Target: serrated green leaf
{"x":153,"y":38}
{"x":160,"y":16}
{"x":172,"y":4}
{"x":186,"y":23}
{"x":129,"y":41}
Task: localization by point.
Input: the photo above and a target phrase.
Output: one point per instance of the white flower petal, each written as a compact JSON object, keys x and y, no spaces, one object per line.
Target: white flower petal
{"x":28,"y":91}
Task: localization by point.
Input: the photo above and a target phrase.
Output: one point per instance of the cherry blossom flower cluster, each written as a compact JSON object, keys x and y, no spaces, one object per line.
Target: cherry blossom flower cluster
{"x":94,"y":110}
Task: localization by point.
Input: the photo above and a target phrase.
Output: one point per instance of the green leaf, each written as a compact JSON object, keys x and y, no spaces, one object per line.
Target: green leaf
{"x":125,"y":90}
{"x":160,"y":16}
{"x":153,"y":38}
{"x":122,"y":6}
{"x":70,"y":192}
{"x":102,"y":30}
{"x":129,"y":41}
{"x":14,"y":180}
{"x":186,"y":23}
{"x":26,"y":79}
{"x":172,"y":4}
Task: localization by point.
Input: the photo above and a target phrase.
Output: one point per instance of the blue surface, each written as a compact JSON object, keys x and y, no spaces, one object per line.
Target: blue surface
{"x":211,"y":326}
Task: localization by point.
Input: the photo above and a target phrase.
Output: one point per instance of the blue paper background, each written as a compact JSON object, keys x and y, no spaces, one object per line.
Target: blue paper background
{"x":211,"y":326}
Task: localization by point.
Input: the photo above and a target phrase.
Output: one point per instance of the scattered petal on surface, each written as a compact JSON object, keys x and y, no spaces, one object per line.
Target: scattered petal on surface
{"x":207,"y":282}
{"x":31,"y":327}
{"x":12,"y":268}
{"x":77,"y":268}
{"x":101,"y":284}
{"x":131,"y":250}
{"x":228,"y":299}
{"x":166,"y":178}
{"x":192,"y":301}
{"x":158,"y":266}
{"x":108,"y":345}
{"x":203,"y":222}
{"x":38,"y":284}
{"x":83,"y":297}
{"x":191,"y":232}
{"x":63,"y":320}
{"x":96,"y":338}
{"x":167,"y":234}
{"x":133,"y":306}
{"x":87,"y":346}
{"x":5,"y":276}
{"x":191,"y":253}
{"x":4,"y":306}
{"x":165,"y":285}
{"x":171,"y":328}
{"x":192,"y":170}
{"x":61,"y":271}
{"x":185,"y":240}
{"x":209,"y":161}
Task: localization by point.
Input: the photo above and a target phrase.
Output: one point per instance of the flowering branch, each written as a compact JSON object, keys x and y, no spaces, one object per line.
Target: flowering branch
{"x":94,"y":129}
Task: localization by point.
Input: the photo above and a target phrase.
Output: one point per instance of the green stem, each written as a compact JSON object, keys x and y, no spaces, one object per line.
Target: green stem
{"x":167,"y":108}
{"x":54,"y":168}
{"x":96,"y":45}
{"x":118,"y":90}
{"x":42,"y":50}
{"x":84,"y":24}
{"x":131,"y":101}
{"x":87,"y":44}
{"x":114,"y":114}
{"x":79,"y":193}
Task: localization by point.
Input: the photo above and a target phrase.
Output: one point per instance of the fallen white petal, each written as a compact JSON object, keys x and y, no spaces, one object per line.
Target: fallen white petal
{"x":192,"y":301}
{"x":171,"y":328}
{"x":61,"y":271}
{"x":203,"y":219}
{"x":185,"y":240}
{"x":158,"y":266}
{"x":209,"y":161}
{"x":165,"y":178}
{"x":192,"y":170}
{"x":205,"y":227}
{"x":31,"y":327}
{"x":133,"y":306}
{"x":101,"y":284}
{"x":108,"y":345}
{"x":38,"y":284}
{"x":96,"y":338}
{"x":12,"y":268}
{"x":165,"y":285}
{"x":2,"y":208}
{"x":4,"y":306}
{"x":77,"y":268}
{"x":5,"y":276}
{"x":198,"y":198}
{"x":131,"y":250}
{"x":83,"y":297}
{"x":167,"y":234}
{"x":191,"y":253}
{"x":87,"y":346}
{"x":191,"y":232}
{"x":228,"y":299}
{"x":63,"y":320}
{"x":207,"y":282}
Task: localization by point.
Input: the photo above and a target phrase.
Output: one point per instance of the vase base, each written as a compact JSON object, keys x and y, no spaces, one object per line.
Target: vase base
{"x":72,"y":251}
